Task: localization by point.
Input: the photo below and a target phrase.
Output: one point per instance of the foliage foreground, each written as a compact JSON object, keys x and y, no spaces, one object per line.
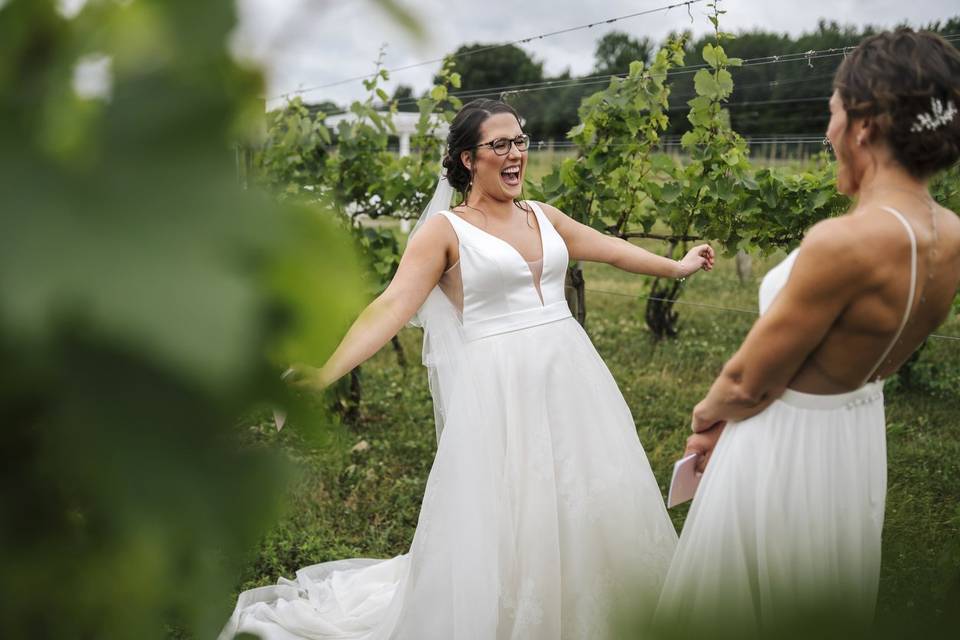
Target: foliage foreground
{"x":145,"y":304}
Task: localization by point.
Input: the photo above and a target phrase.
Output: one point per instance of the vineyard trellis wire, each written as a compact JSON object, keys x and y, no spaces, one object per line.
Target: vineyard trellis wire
{"x":602,"y":79}
{"x":754,"y":312}
{"x":471,"y":52}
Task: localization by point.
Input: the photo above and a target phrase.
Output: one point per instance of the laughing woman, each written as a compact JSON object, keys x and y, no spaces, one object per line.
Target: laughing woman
{"x":541,"y":505}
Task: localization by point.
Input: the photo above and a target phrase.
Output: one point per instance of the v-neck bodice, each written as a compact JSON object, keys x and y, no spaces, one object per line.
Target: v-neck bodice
{"x":501,"y":291}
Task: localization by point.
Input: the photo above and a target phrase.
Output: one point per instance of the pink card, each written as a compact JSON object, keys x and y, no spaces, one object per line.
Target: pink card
{"x":685,"y":481}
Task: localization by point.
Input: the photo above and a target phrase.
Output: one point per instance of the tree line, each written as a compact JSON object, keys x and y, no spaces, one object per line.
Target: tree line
{"x":777,"y":98}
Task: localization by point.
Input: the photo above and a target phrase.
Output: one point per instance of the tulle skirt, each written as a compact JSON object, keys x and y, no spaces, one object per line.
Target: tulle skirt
{"x":787,"y":517}
{"x":541,"y":513}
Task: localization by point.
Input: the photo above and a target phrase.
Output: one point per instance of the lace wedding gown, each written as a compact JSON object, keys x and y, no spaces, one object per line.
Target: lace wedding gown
{"x":788,"y":515}
{"x":541,"y":509}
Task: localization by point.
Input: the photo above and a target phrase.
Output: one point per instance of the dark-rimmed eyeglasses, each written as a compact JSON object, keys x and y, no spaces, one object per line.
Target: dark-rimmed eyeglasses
{"x":501,"y":146}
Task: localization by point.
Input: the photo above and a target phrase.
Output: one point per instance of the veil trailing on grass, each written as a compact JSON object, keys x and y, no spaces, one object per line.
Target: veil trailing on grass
{"x":443,"y":338}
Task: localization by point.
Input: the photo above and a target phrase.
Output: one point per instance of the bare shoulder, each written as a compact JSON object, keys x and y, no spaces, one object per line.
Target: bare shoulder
{"x":950,"y":227}
{"x":836,"y":249}
{"x":949,"y":237}
{"x":866,"y":229}
{"x":436,"y":234}
{"x":832,"y":236}
{"x":858,"y":244}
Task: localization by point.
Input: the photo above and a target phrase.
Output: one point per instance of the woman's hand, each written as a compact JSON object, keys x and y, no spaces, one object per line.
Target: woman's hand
{"x":303,"y":376}
{"x":700,"y":257}
{"x":586,"y":243}
{"x":703,"y":444}
{"x":703,"y":418}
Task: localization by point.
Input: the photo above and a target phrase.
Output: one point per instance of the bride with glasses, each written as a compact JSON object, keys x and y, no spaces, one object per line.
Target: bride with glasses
{"x":541,"y":510}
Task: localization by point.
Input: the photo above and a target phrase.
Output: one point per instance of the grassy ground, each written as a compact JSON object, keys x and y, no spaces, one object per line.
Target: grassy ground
{"x":359,"y":492}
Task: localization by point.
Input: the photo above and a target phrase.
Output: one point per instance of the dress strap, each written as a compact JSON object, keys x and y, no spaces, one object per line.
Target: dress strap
{"x":454,"y":219}
{"x":913,"y":288}
{"x":538,"y":212}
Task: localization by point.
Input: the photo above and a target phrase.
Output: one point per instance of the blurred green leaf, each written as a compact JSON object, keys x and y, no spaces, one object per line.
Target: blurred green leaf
{"x":147,"y":305}
{"x":402,"y":16}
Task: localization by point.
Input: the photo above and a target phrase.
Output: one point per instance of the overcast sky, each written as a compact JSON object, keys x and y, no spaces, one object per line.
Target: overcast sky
{"x":304,"y":43}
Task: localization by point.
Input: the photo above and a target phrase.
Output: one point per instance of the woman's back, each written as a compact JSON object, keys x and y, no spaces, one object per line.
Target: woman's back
{"x":788,"y":516}
{"x":853,"y":348}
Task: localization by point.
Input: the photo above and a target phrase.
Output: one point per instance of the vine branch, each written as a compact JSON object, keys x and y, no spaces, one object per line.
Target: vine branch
{"x":658,"y":236}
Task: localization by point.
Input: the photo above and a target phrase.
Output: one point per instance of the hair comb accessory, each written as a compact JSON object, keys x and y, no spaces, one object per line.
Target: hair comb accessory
{"x":938,"y":116}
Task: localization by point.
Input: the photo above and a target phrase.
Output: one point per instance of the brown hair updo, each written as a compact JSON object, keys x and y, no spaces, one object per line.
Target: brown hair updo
{"x":465,"y":134}
{"x":894,"y":78}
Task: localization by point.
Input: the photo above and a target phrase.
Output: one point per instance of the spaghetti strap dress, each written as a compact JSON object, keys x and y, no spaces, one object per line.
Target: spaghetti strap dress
{"x":789,"y":512}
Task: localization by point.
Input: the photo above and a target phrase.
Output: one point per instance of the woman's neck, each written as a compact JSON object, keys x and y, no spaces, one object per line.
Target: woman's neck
{"x":491,"y":206}
{"x":883,"y":180}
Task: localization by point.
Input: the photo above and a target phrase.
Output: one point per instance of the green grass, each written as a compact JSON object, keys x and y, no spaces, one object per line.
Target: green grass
{"x":365,"y":503}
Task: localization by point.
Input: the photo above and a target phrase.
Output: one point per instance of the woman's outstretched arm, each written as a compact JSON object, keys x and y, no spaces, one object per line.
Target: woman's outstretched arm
{"x":420,"y":269}
{"x":586,"y":243}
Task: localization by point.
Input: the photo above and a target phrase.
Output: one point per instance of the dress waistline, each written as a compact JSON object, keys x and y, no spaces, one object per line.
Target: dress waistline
{"x":870,"y":392}
{"x":516,"y":321}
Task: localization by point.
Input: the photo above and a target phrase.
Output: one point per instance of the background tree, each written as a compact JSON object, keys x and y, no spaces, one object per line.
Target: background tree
{"x":403,"y":95}
{"x":485,"y":65}
{"x":616,"y":50}
{"x":556,"y":108}
{"x":321,"y":109}
{"x":783,"y":97}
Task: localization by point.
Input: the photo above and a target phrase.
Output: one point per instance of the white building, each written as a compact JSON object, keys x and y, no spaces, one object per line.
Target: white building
{"x":405,"y":124}
{"x":403,"y":121}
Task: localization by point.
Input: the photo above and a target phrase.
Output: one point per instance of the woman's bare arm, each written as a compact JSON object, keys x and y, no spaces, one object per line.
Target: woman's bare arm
{"x":421,"y":266}
{"x":586,"y":243}
{"x":825,"y":278}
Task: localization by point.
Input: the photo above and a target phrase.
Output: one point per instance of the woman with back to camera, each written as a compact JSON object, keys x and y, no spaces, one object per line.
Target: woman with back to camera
{"x":541,"y":506}
{"x":789,"y":512}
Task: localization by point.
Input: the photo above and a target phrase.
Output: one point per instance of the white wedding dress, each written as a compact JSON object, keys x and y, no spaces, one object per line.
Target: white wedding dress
{"x":788,"y":515}
{"x":541,"y":510}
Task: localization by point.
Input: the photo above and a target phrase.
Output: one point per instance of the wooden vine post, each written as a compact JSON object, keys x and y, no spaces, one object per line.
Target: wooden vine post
{"x":574,"y":288}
